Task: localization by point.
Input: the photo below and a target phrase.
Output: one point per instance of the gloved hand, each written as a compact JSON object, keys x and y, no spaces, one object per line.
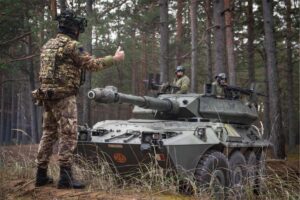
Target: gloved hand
{"x":164,"y":87}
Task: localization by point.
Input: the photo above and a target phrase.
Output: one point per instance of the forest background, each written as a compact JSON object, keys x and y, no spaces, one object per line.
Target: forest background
{"x":252,"y":41}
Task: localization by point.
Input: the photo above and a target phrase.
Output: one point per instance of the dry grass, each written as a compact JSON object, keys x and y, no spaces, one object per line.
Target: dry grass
{"x":17,"y":174}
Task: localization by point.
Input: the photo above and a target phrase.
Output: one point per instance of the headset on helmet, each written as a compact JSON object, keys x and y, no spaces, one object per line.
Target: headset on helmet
{"x":68,"y":19}
{"x":180,"y":69}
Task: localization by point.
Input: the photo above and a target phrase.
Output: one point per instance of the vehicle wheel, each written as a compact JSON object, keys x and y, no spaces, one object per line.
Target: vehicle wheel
{"x":261,"y":173}
{"x":212,"y":172}
{"x":251,"y":169}
{"x":237,"y":165}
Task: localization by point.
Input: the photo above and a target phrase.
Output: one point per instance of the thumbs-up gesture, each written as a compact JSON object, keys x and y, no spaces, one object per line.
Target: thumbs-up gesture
{"x":119,"y":55}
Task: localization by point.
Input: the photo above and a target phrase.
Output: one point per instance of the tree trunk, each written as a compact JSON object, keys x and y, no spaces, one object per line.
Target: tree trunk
{"x":53,"y":9}
{"x":179,"y":32}
{"x":13,"y":112}
{"x":164,"y":40}
{"x":7,"y":129}
{"x":86,"y":114}
{"x":277,"y":135}
{"x":22,"y":117}
{"x":230,"y":41}
{"x":34,"y":125}
{"x":134,"y":73}
{"x":144,"y":64}
{"x":291,"y":108}
{"x":120,"y":79}
{"x":8,"y":114}
{"x":28,"y":138}
{"x":2,"y":127}
{"x":208,"y":10}
{"x":266,"y":117}
{"x":219,"y":45}
{"x":250,"y":46}
{"x":63,"y":5}
{"x":19,"y":118}
{"x":194,"y":44}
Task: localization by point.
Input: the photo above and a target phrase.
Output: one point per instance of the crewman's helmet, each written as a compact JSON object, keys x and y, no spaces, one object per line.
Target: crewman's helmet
{"x":221,"y":76}
{"x":68,"y":21}
{"x":180,"y":69}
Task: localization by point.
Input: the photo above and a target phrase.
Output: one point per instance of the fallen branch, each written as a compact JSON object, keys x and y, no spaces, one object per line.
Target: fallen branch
{"x":23,"y":58}
{"x":14,"y":39}
{"x":24,"y":185}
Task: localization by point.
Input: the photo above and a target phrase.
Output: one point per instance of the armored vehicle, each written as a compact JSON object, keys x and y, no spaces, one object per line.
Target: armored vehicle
{"x":209,"y":138}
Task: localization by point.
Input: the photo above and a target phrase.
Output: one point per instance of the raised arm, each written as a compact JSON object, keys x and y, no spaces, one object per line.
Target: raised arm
{"x":88,"y":62}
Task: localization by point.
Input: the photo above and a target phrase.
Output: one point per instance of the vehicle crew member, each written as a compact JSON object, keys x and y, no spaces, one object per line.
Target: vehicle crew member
{"x":219,"y":84}
{"x":63,"y":63}
{"x":181,"y":80}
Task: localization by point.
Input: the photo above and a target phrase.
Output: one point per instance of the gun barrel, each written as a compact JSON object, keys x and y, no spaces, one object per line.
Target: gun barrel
{"x":243,"y":90}
{"x":110,"y":95}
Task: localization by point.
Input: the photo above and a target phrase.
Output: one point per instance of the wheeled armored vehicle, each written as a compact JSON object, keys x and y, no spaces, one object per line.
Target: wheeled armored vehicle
{"x":209,"y":138}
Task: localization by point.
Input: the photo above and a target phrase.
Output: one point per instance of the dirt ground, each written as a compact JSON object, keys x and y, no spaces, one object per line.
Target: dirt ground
{"x":24,"y":189}
{"x":17,"y":180}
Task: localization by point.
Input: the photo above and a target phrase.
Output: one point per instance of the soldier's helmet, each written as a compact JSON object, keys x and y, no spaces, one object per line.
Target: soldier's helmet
{"x":68,"y":20}
{"x":180,"y":69}
{"x":221,"y":76}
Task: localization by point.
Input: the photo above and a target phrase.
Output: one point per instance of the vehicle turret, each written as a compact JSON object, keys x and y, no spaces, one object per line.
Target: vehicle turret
{"x":183,"y":107}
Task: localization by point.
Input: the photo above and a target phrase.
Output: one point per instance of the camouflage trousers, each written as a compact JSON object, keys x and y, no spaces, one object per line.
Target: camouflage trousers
{"x":59,"y":124}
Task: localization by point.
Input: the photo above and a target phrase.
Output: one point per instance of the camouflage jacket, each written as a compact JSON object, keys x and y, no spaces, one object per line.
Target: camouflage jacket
{"x":183,"y":83}
{"x":62,"y":63}
{"x":219,"y":90}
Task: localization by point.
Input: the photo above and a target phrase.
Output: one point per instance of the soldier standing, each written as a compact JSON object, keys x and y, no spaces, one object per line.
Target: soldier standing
{"x":181,"y":80}
{"x":63,"y":62}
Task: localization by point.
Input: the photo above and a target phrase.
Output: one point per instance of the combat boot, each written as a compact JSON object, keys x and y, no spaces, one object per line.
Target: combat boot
{"x":66,"y":179}
{"x":42,"y":178}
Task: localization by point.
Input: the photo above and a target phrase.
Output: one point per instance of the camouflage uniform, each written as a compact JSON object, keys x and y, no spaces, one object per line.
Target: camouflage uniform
{"x":183,"y":83}
{"x":62,"y":64}
{"x":219,"y":91}
{"x":59,"y":122}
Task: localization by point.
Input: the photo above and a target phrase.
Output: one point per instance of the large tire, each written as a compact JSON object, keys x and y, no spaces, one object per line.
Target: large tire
{"x":251,"y":169}
{"x":261,"y":173}
{"x":238,"y":173}
{"x":212,"y":172}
